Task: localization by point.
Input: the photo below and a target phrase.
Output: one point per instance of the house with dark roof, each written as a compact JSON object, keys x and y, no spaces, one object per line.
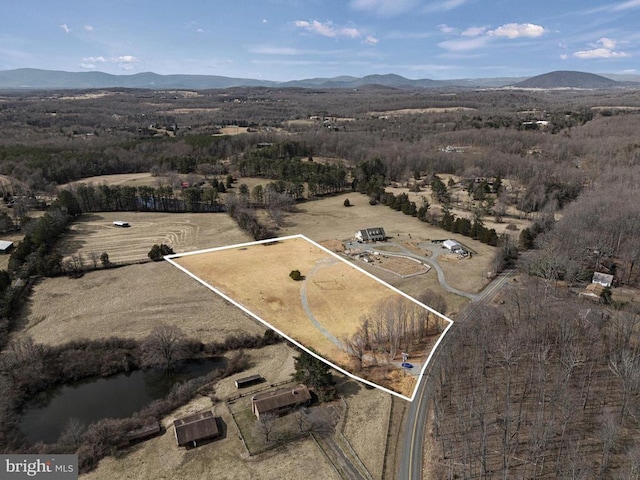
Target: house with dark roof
{"x":146,"y":431}
{"x":196,"y":428}
{"x":280,"y":401}
{"x":248,"y":381}
{"x":374,"y":234}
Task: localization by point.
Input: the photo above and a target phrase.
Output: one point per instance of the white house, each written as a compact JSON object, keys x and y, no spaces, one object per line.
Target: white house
{"x":5,"y":246}
{"x":375,"y":234}
{"x":603,"y":279}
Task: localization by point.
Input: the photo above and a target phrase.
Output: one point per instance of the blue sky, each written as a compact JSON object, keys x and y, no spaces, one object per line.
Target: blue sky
{"x":295,"y":39}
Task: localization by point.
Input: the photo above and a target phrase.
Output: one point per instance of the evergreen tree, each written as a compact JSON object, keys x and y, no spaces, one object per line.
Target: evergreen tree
{"x":315,"y":374}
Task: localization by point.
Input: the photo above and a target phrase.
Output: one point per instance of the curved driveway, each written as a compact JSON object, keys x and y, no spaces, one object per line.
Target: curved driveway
{"x":431,"y":261}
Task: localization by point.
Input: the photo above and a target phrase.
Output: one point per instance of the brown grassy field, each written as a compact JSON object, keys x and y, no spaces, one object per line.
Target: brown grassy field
{"x":416,"y":111}
{"x":183,"y":232}
{"x":128,"y":302}
{"x":160,"y":458}
{"x":328,"y":219}
{"x":318,"y":312}
{"x":366,"y":425}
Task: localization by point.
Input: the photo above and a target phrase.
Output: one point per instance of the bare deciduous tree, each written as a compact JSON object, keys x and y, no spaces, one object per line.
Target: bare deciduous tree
{"x":265,"y":426}
{"x":164,"y":346}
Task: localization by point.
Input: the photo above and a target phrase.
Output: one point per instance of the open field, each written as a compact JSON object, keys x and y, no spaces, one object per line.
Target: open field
{"x":366,"y":424}
{"x":183,"y":232}
{"x":318,"y":312}
{"x":327,"y":219}
{"x":128,"y":302}
{"x":416,"y":111}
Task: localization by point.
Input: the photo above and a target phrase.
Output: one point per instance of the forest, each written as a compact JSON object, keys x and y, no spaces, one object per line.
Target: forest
{"x":544,"y":384}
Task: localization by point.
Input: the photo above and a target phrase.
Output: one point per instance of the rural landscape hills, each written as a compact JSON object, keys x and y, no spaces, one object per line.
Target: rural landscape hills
{"x":29,"y":78}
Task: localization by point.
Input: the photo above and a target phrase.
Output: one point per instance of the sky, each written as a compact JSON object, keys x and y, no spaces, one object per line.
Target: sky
{"x":296,"y":39}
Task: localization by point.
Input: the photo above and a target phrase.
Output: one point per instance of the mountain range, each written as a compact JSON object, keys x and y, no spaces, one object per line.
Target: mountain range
{"x":29,"y":78}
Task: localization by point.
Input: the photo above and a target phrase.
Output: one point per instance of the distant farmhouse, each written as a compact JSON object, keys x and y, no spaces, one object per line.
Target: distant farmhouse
{"x":195,"y":428}
{"x":603,"y":279}
{"x":279,"y":401}
{"x":6,"y":246}
{"x":375,"y":234}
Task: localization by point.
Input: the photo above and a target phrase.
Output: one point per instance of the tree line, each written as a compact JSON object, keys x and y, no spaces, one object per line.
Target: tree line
{"x":28,"y":367}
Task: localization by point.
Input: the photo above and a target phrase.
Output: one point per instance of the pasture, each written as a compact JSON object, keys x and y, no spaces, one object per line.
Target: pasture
{"x":127,"y":302}
{"x":327,"y":220}
{"x":319,"y":312}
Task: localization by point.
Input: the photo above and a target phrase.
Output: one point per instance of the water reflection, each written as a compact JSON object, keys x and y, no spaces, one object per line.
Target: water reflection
{"x":118,"y":396}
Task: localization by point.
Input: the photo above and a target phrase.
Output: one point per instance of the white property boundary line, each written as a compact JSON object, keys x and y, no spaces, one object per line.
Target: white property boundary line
{"x":170,"y":258}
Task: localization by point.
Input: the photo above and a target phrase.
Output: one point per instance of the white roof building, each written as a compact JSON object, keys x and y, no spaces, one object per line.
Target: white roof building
{"x":451,"y":245}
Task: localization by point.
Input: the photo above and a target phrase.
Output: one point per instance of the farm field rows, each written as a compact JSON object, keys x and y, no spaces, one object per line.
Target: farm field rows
{"x":183,"y":232}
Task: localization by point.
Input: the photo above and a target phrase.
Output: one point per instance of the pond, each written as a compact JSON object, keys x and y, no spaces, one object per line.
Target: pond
{"x":118,"y":396}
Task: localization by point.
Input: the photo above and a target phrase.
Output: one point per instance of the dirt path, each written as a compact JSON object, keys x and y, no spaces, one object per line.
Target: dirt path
{"x":305,"y":303}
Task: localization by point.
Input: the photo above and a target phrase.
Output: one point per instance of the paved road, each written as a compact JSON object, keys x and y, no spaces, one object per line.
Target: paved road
{"x":413,"y":436}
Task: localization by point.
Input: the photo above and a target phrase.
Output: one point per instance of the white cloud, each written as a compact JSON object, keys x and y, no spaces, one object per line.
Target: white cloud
{"x":463,"y":45}
{"x":607,"y":43}
{"x":477,"y":37}
{"x":444,"y":6}
{"x":264,"y":20}
{"x":603,"y":48}
{"x":517,"y":30}
{"x":88,"y":28}
{"x":371,"y":40}
{"x":383,"y":7}
{"x":328,"y":29}
{"x":98,"y":59}
{"x":444,"y":28}
{"x":473,"y":31}
{"x":65,"y":28}
{"x":271,"y":50}
{"x":564,"y":56}
{"x":626,"y":5}
{"x":90,"y":63}
{"x":125,"y":62}
{"x":126,"y":59}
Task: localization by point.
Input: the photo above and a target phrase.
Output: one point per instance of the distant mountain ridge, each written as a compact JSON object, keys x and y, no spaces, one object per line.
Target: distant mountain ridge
{"x":568,"y":79}
{"x":31,"y":78}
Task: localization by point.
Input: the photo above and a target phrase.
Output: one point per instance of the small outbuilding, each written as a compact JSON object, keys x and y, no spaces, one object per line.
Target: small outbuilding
{"x":145,"y":432}
{"x":374,"y":234}
{"x":603,"y":279}
{"x":280,"y":401}
{"x":248,"y":381}
{"x":6,"y":246}
{"x":196,"y":428}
